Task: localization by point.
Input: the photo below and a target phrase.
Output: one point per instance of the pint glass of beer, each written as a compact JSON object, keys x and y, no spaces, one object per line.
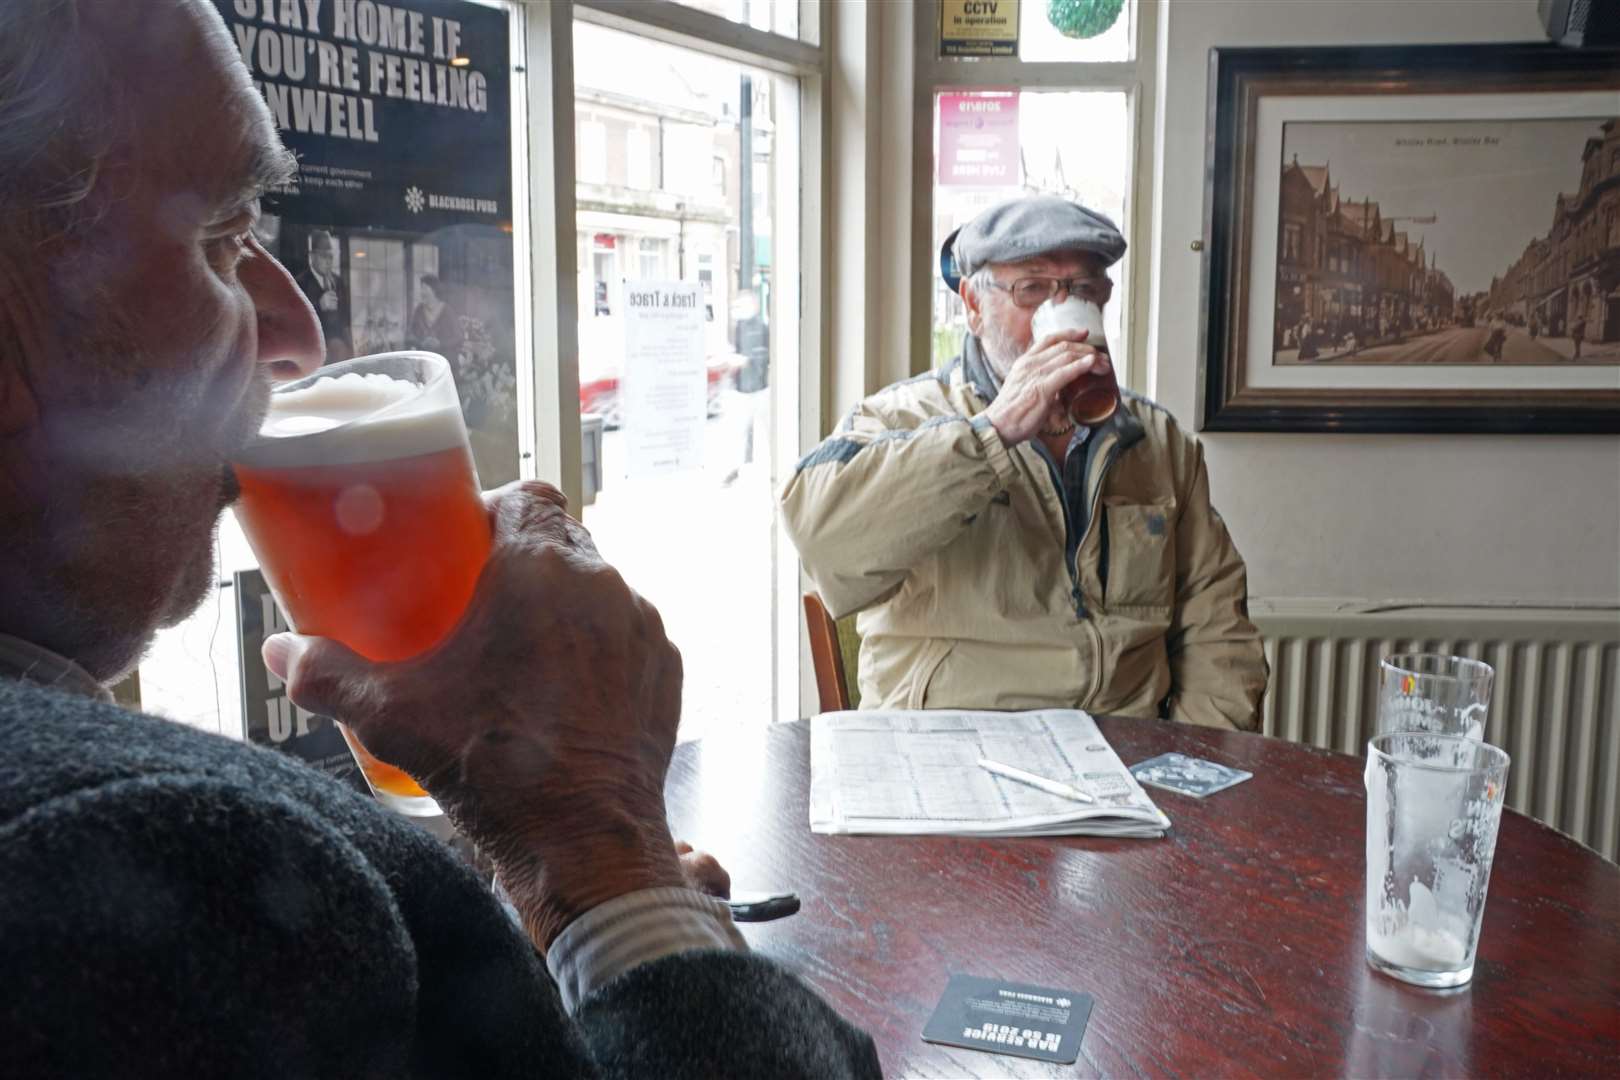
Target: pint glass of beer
{"x":361,"y":501}
{"x":1094,"y":397}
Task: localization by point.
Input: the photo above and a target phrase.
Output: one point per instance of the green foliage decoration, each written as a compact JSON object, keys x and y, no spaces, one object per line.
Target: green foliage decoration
{"x":1083,"y":18}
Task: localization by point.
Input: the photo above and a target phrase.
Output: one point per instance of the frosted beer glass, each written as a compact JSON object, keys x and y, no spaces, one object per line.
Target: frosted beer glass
{"x":1446,"y":695}
{"x":361,"y":501}
{"x":1434,"y":803}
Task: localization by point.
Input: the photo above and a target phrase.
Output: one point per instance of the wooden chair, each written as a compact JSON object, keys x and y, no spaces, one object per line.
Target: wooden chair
{"x":835,"y":651}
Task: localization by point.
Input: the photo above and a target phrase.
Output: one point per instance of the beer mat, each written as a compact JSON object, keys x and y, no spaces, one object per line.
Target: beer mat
{"x":1187,"y":775}
{"x":1010,"y":1018}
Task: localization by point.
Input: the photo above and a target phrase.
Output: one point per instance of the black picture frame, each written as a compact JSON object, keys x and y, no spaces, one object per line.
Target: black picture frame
{"x":1238,"y":80}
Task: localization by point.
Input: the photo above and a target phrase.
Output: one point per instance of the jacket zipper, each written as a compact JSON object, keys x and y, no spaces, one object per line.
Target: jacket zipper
{"x":1096,"y":500}
{"x":1074,"y":575}
{"x":1068,"y":527}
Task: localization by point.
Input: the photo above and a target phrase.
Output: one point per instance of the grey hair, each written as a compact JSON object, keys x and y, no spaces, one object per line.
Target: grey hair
{"x":54,"y":122}
{"x":981,"y":280}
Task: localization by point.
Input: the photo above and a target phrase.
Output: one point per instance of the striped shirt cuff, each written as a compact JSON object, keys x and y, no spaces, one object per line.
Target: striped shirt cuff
{"x":633,"y":929}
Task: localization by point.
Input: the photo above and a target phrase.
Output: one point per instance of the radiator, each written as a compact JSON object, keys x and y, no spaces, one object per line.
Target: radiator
{"x":1555,"y":708}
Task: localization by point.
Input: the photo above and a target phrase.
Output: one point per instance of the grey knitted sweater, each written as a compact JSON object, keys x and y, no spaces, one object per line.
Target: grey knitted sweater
{"x":177,"y":904}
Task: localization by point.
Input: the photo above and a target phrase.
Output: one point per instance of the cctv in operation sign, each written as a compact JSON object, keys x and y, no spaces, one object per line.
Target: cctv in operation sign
{"x":978,"y":28}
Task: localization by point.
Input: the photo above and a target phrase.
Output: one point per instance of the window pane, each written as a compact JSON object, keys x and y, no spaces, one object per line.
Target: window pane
{"x":1039,"y":40}
{"x":399,"y":276}
{"x":1069,"y":143}
{"x":691,"y":526}
{"x":776,"y":16}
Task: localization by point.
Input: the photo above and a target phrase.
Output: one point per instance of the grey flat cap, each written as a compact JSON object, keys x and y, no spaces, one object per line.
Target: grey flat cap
{"x":1024,"y":228}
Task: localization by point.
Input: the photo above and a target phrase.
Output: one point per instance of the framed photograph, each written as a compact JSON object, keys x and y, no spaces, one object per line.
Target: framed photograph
{"x":1413,"y":239}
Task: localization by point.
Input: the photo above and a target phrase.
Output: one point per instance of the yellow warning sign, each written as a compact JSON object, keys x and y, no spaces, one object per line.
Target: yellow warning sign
{"x":978,"y":28}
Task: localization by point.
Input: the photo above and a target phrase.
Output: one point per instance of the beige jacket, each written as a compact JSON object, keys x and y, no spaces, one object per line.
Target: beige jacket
{"x":952,"y":548}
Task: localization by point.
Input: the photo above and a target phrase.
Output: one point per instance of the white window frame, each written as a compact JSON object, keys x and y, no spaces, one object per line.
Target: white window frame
{"x":1135,"y":78}
{"x":548,"y":376}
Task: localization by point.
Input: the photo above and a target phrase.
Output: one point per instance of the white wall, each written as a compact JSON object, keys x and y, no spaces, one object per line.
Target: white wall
{"x":1481,"y":519}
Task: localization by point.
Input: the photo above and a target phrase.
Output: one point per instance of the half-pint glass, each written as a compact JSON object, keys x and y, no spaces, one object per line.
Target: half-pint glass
{"x":1448,"y":695}
{"x":1433,"y":806}
{"x":361,"y":501}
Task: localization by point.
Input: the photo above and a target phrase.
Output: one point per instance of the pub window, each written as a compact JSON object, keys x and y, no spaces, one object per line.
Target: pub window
{"x":1064,"y":116}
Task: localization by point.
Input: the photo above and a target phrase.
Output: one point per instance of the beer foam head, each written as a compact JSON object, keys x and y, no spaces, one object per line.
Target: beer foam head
{"x":1072,"y":314}
{"x":353,"y":418}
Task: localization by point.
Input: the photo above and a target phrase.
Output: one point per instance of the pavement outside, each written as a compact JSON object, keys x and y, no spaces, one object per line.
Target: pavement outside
{"x":700,"y":550}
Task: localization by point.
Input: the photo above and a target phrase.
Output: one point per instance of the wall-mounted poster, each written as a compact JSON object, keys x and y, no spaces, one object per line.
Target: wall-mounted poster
{"x":978,"y":139}
{"x":398,"y":226}
{"x":1414,"y":239}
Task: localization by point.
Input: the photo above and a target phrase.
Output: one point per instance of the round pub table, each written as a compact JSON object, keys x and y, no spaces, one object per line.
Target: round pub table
{"x":1234,"y":946}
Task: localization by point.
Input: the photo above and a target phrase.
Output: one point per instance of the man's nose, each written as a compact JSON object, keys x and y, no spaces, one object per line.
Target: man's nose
{"x":290,"y":339}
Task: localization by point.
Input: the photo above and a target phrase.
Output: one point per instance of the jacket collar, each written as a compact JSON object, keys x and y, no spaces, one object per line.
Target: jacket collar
{"x":977,"y":369}
{"x":28,"y":662}
{"x":1124,"y":423}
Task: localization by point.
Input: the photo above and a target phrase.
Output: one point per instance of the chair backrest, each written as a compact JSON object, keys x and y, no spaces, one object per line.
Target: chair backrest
{"x":835,"y":651}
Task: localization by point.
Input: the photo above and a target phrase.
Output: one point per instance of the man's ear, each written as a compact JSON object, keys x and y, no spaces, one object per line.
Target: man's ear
{"x":970,"y":300}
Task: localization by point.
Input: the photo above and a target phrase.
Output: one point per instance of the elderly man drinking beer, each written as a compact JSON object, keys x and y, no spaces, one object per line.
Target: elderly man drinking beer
{"x":1014,"y":531}
{"x":177,"y":904}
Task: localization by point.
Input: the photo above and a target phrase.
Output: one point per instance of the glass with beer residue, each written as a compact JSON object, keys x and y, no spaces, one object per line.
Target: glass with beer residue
{"x":1434,"y":804}
{"x":1447,"y":695}
{"x":361,"y":501}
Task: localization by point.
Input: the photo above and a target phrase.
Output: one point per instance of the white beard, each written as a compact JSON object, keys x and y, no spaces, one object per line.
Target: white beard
{"x":999,"y":348}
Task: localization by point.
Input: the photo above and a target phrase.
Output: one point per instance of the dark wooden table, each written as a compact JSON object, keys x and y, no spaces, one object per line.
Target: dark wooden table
{"x":1232,"y":947}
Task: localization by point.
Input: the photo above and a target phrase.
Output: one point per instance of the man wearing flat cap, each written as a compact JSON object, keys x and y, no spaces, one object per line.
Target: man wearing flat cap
{"x":1002,"y":556}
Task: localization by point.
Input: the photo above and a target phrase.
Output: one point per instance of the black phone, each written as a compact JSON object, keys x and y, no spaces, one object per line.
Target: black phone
{"x":762,"y":906}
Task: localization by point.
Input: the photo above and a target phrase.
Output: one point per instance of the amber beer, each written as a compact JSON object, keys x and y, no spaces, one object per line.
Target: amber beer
{"x":361,"y":501}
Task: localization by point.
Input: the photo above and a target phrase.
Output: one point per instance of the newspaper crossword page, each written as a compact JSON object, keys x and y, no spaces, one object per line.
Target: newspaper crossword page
{"x":918,"y":773}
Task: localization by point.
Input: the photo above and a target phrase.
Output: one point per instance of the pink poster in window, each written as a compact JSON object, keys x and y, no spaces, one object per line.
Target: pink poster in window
{"x":978,"y":139}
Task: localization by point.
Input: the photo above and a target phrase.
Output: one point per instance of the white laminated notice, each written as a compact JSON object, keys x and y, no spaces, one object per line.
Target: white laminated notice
{"x":664,"y":386}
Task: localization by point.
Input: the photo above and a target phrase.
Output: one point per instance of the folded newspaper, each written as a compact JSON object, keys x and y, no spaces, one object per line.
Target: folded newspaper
{"x":918,"y":773}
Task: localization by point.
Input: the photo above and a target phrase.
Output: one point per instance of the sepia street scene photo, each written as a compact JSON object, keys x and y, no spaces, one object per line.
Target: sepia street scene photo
{"x":1449,"y":242}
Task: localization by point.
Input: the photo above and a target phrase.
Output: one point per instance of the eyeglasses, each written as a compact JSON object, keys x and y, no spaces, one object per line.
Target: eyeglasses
{"x":1034,"y":291}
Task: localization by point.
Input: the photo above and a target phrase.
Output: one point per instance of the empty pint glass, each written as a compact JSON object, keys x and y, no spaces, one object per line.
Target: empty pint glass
{"x":1448,"y":695}
{"x":1434,"y":803}
{"x":361,"y":501}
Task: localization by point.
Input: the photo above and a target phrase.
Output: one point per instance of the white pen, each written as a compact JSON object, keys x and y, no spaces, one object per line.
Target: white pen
{"x":1054,"y":787}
